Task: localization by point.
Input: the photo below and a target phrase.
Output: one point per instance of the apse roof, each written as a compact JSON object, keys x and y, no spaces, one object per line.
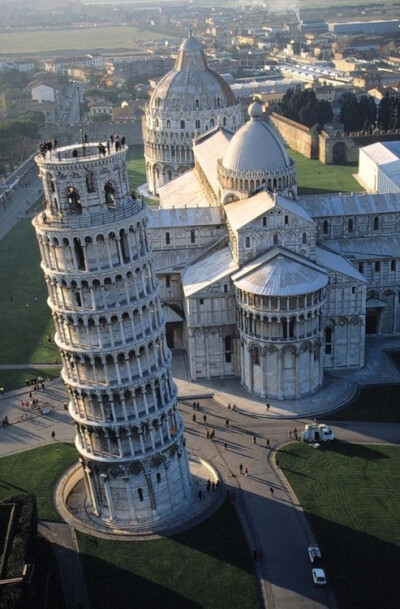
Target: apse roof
{"x":280,"y":274}
{"x":214,"y":267}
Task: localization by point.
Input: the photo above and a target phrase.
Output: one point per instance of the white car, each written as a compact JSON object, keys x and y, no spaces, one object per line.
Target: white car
{"x":314,"y":554}
{"x":319,"y":577}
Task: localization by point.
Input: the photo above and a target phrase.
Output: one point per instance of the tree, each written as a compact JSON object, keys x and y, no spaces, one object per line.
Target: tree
{"x":385,"y":112}
{"x":349,"y":113}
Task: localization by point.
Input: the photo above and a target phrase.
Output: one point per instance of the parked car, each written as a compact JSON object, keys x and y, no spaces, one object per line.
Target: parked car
{"x":319,"y":577}
{"x":315,"y":555}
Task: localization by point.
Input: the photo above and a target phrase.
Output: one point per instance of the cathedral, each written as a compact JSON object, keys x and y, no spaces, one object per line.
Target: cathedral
{"x":263,"y":285}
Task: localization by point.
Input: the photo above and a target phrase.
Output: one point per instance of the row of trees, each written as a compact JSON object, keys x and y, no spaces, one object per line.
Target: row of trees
{"x":356,"y":113}
{"x":302,"y":106}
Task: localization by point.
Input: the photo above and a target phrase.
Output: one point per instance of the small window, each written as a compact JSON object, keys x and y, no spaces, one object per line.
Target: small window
{"x":192,"y":236}
{"x":256,"y":356}
{"x":276,"y":240}
{"x":353,"y":290}
{"x":376,"y":223}
{"x":286,"y":219}
{"x":350,"y":226}
{"x":225,"y":288}
{"x":377,"y":267}
{"x":140,"y":493}
{"x":212,"y":122}
{"x":247,"y":241}
{"x":167,"y":281}
{"x":201,"y":301}
{"x":197,"y":124}
{"x":393,"y":265}
{"x":158,"y":477}
{"x":304,"y":238}
{"x":224,"y":121}
{"x":325,"y":227}
{"x":182,"y":124}
{"x":264,"y":221}
{"x":328,"y":341}
{"x":361,"y":267}
{"x":167,"y":238}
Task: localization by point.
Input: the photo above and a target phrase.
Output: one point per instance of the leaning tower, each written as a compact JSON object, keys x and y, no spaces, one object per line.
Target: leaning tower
{"x":103,"y":296}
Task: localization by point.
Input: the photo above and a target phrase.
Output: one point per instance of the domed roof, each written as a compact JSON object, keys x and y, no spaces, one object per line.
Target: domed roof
{"x":191,"y":84}
{"x":255,"y":146}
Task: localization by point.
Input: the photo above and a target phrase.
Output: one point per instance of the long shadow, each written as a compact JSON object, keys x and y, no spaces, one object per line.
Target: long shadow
{"x":349,"y":449}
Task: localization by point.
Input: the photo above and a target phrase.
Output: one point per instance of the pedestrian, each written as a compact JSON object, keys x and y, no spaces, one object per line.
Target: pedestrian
{"x":198,"y":406}
{"x":204,"y":419}
{"x":227,"y":422}
{"x":234,"y":408}
{"x":208,"y":434}
{"x":225,"y":446}
{"x":267,"y":407}
{"x":268,"y":443}
{"x":290,"y":433}
{"x":229,"y":406}
{"x":194,"y":405}
{"x":194,"y":418}
{"x":254,"y":439}
{"x":241,"y":468}
{"x":53,"y":435}
{"x":271,"y":490}
{"x":295,"y":433}
{"x":212,"y":434}
{"x":246,"y":472}
{"x":277,"y":462}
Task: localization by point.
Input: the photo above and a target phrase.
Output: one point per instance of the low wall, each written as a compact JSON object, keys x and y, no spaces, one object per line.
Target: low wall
{"x":295,"y":135}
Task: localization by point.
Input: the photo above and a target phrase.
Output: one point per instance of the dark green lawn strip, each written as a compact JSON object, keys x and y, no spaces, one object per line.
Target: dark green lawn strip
{"x":25,"y":317}
{"x":16,"y":377}
{"x":208,"y":567}
{"x":377,"y":404}
{"x":351,"y":495}
{"x":36,"y":471}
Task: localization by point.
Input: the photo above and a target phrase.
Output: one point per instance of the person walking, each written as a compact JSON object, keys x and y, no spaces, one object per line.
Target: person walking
{"x":53,"y":435}
{"x":241,"y":468}
{"x":271,"y":490}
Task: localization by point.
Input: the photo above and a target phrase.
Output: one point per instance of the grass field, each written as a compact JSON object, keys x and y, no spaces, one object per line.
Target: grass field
{"x":351,"y":495}
{"x":378,"y":404}
{"x":25,"y":317}
{"x":315,"y":178}
{"x":16,"y":377}
{"x":62,"y":40}
{"x":36,"y":471}
{"x":208,"y":567}
{"x":136,"y":166}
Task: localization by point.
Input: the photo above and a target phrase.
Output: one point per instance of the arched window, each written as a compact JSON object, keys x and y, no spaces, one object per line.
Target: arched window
{"x":218,"y":102}
{"x":325,"y":227}
{"x":197,"y":104}
{"x":248,"y":243}
{"x":140,"y":493}
{"x":286,"y":219}
{"x":168,"y":124}
{"x":182,"y":124}
{"x":376,"y":222}
{"x":264,"y":221}
{"x":80,"y":256}
{"x":197,"y":124}
{"x":276,"y":240}
{"x":167,"y":238}
{"x":350,"y":225}
{"x":224,"y":121}
{"x":304,"y":238}
{"x":192,"y":236}
{"x":228,"y":349}
{"x":90,"y":181}
{"x":109,"y":193}
{"x":256,"y":356}
{"x":328,"y":340}
{"x":212,"y":122}
{"x":74,"y":200}
{"x":158,"y":477}
{"x":169,"y":173}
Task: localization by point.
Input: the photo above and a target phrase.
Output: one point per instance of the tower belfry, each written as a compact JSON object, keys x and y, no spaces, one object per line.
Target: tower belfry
{"x":103,"y":296}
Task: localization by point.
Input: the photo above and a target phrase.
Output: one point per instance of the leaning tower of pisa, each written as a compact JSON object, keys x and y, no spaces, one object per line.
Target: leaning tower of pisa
{"x":104,"y":300}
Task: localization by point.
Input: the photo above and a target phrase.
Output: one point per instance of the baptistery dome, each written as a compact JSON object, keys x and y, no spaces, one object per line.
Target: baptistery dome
{"x":187,"y":102}
{"x":256,"y":157}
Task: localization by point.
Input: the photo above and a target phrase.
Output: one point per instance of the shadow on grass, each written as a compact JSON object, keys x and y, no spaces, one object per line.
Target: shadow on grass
{"x":349,"y":449}
{"x":377,"y":404}
{"x":362,"y":569}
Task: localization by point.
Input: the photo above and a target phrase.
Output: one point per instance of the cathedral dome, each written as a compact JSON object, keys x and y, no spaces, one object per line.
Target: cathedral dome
{"x":191,"y":85}
{"x":255,"y":147}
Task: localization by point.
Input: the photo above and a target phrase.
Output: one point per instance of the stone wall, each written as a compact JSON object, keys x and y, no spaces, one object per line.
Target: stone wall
{"x":295,"y":135}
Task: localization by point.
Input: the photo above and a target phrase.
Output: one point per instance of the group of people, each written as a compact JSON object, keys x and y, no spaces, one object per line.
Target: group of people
{"x":117,"y":141}
{"x":5,"y":421}
{"x":46,"y":147}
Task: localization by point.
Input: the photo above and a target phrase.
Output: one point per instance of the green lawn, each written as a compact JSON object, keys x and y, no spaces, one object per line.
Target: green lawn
{"x":36,"y":471}
{"x":208,"y":567}
{"x":378,"y":404}
{"x":15,"y":378}
{"x":351,"y":495}
{"x":136,"y":166}
{"x":39,"y":40}
{"x":315,"y":178}
{"x":25,"y":317}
